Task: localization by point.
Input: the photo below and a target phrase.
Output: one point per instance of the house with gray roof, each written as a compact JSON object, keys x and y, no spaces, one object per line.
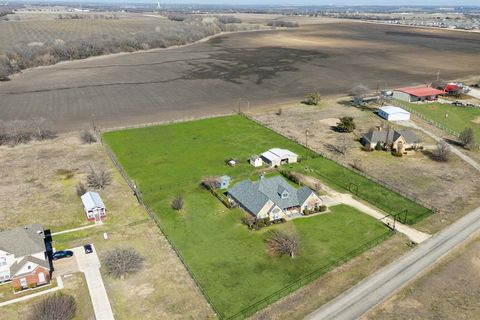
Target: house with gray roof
{"x":23,"y":257}
{"x":398,"y":140}
{"x":93,"y":205}
{"x":272,"y":197}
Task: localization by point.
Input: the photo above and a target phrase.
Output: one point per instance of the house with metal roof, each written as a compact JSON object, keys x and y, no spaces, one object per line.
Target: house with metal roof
{"x":94,"y":207}
{"x":417,"y":94}
{"x":23,"y":257}
{"x":272,"y":197}
{"x":398,"y":140}
{"x":275,"y":157}
{"x":392,"y":113}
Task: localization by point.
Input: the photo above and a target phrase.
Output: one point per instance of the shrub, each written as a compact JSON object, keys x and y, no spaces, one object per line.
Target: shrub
{"x":467,"y":137}
{"x":99,"y":179}
{"x":229,"y":19}
{"x":397,"y":154}
{"x":87,"y":137}
{"x":121,"y":262}
{"x":32,"y":285}
{"x":313,"y":99}
{"x":248,"y":220}
{"x":80,"y":189}
{"x":442,"y":152}
{"x":55,"y":307}
{"x":282,"y":24}
{"x":177,"y":203}
{"x":346,"y":124}
{"x":378,"y":146}
{"x":322,"y":208}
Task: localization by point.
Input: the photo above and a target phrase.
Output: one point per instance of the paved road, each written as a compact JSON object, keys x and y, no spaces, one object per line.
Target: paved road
{"x":474,"y":93}
{"x":89,"y":264}
{"x":378,"y":287}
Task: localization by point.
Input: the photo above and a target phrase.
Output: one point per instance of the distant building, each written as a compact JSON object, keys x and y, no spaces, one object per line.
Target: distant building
{"x":392,"y":113}
{"x":276,"y":157}
{"x":23,"y":257}
{"x":398,"y":140}
{"x":417,"y":94}
{"x":256,"y":161}
{"x":94,"y":207}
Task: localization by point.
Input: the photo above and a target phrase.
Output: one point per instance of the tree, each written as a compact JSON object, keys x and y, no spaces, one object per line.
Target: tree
{"x":87,"y":137}
{"x":442,"y":152}
{"x":346,"y":124}
{"x":248,"y":220}
{"x":99,"y":179}
{"x":467,"y":137}
{"x":360,"y":91}
{"x":54,"y":307}
{"x":313,"y":99}
{"x":80,"y":189}
{"x":177,"y":203}
{"x":210,"y":183}
{"x":283,"y":242}
{"x":121,"y":262}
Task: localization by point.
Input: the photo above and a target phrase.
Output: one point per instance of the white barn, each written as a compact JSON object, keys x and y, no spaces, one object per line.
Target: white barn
{"x":276,"y":157}
{"x":392,"y":113}
{"x":93,"y":205}
{"x":256,"y":161}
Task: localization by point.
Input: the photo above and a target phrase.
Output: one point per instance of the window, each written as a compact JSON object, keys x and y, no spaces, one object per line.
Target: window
{"x":4,"y":276}
{"x":3,"y":261}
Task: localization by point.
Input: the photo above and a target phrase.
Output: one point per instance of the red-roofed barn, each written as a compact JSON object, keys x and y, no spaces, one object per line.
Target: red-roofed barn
{"x":415,"y":94}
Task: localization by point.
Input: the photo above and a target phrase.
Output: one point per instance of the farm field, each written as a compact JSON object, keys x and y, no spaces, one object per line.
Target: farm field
{"x":243,"y":69}
{"x":458,"y":118}
{"x":230,"y":261}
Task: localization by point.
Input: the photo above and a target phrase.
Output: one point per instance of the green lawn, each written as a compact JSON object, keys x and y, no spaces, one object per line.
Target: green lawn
{"x":228,"y":260}
{"x":458,"y":118}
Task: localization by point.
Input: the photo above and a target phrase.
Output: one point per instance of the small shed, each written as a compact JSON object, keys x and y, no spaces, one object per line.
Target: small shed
{"x":93,"y":205}
{"x":392,"y":113}
{"x":256,"y":161}
{"x":223,"y":182}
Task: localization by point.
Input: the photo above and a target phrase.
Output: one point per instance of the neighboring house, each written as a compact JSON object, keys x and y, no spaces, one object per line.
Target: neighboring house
{"x":93,"y":206}
{"x":23,"y":257}
{"x":398,"y":140}
{"x":273,"y":197}
{"x":276,"y":157}
{"x":256,"y":161}
{"x":416,"y":94}
{"x":222,"y":182}
{"x":392,"y":113}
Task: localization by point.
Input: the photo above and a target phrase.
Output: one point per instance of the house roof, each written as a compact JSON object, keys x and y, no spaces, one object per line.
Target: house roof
{"x":15,"y":268}
{"x":92,"y":200}
{"x":393,"y":110}
{"x":390,"y":136}
{"x":278,"y":154}
{"x":255,"y":195}
{"x":421,"y":91}
{"x":23,"y":241}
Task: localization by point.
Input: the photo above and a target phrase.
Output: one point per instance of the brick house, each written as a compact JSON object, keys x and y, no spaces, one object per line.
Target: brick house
{"x":23,"y":257}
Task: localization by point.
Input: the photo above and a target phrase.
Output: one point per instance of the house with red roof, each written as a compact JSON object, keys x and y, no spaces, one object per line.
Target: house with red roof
{"x":417,"y":94}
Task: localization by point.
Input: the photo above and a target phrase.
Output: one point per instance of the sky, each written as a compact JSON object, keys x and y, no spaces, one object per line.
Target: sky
{"x":330,"y":2}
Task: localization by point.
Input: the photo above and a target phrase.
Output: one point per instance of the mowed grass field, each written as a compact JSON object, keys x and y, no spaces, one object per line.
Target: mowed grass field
{"x":229,"y":261}
{"x":458,"y":118}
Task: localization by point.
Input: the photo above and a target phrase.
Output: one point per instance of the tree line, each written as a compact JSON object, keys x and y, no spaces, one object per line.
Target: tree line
{"x":23,"y":56}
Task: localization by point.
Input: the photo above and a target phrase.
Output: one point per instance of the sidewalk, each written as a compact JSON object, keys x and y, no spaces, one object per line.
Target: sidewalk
{"x":34,"y":295}
{"x":77,"y":229}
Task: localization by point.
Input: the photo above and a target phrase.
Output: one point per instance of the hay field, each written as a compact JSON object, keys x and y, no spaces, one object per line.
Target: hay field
{"x":246,"y":69}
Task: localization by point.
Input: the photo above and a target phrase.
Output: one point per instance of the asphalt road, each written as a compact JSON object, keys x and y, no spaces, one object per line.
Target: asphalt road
{"x":373,"y":290}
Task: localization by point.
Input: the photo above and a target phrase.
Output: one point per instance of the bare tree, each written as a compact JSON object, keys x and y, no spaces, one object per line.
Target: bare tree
{"x":360,"y":91}
{"x":248,"y":220}
{"x":121,"y":262}
{"x":80,"y":189}
{"x":467,"y":137}
{"x":210,"y":183}
{"x":177,"y":203}
{"x":99,"y":179}
{"x":442,"y":152}
{"x":283,"y":242}
{"x":54,"y":307}
{"x":86,"y":136}
{"x":40,"y":130}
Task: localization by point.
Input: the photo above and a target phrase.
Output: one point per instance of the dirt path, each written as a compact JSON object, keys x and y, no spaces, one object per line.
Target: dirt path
{"x":344,"y":198}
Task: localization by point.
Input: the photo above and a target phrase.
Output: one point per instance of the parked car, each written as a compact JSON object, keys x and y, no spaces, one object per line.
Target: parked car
{"x":88,"y":248}
{"x":62,"y":254}
{"x":458,"y":104}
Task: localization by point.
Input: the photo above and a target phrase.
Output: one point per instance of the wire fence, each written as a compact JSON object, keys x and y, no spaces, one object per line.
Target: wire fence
{"x":432,"y":122}
{"x":297,"y":284}
{"x":349,"y":186}
{"x":293,"y":286}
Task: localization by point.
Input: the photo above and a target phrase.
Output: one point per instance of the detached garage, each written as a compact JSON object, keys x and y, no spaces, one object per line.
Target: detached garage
{"x":392,"y":113}
{"x":417,"y":94}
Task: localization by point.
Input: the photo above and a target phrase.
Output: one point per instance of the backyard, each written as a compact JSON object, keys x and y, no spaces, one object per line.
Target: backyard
{"x":229,"y":261}
{"x":458,"y":118}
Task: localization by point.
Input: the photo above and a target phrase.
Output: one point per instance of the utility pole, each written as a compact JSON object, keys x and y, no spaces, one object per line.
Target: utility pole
{"x":438,"y":75}
{"x":307,"y":132}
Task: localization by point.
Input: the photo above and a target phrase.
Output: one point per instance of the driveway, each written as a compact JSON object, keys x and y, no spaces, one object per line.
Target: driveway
{"x":65,"y":266}
{"x":474,"y":93}
{"x":89,"y":264}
